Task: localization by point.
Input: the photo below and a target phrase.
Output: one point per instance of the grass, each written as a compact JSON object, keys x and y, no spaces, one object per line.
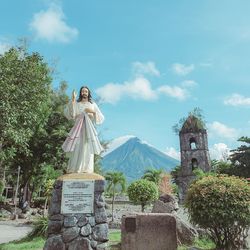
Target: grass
{"x":200,"y":243}
{"x":37,"y":243}
{"x":115,"y":236}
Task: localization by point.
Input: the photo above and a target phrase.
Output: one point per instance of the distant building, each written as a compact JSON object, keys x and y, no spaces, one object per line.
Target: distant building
{"x":194,"y":153}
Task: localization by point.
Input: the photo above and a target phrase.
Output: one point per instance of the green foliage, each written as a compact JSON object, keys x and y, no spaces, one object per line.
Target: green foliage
{"x":116,"y":184}
{"x":196,"y":112}
{"x":49,"y":187}
{"x":143,"y":192}
{"x":46,"y":159}
{"x":221,"y":167}
{"x":221,"y":204}
{"x":202,"y":243}
{"x":2,"y":198}
{"x":1,"y":187}
{"x":39,"y":201}
{"x":175,"y":173}
{"x":240,"y":159}
{"x":40,"y":227}
{"x":24,"y":101}
{"x":115,"y":236}
{"x":153,"y":175}
{"x":34,"y":243}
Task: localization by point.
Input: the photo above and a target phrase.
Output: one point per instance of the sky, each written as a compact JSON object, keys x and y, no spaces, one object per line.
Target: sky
{"x":149,"y":63}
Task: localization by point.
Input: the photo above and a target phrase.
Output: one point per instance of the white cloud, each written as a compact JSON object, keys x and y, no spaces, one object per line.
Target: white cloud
{"x":172,"y":152}
{"x":237,"y":100}
{"x":174,"y":91}
{"x":219,"y":151}
{"x":182,"y":69}
{"x":4,"y":47}
{"x":140,"y":68}
{"x":139,"y":88}
{"x":51,"y":26}
{"x":221,"y":130}
{"x":189,"y":83}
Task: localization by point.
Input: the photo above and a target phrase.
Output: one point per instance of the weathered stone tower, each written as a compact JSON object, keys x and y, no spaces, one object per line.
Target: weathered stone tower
{"x":194,"y":153}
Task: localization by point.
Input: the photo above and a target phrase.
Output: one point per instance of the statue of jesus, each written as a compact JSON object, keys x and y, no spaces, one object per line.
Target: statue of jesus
{"x":82,"y":141}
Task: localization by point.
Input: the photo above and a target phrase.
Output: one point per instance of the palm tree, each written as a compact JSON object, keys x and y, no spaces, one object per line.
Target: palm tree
{"x":154,"y":175}
{"x":115,"y":180}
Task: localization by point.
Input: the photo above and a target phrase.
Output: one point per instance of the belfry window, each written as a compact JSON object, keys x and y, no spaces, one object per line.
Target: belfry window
{"x":194,"y":163}
{"x":192,"y":143}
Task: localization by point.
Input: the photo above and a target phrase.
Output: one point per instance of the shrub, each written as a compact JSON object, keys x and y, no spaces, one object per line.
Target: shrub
{"x":142,"y":192}
{"x":221,"y":204}
{"x":39,"y":202}
{"x":40,"y":227}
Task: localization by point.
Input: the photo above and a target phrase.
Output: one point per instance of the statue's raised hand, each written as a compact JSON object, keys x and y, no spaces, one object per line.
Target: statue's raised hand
{"x":73,"y":96}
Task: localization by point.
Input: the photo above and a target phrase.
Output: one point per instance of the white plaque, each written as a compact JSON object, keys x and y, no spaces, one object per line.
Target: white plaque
{"x":77,"y":196}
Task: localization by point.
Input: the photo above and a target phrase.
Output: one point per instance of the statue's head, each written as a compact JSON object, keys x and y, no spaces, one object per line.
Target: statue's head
{"x":85,"y":93}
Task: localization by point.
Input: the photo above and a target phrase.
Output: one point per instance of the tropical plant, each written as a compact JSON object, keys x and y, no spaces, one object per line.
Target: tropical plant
{"x":175,"y":173}
{"x":143,"y":192}
{"x":154,"y":175}
{"x":48,"y":192}
{"x":40,"y":227}
{"x":221,"y":205}
{"x":116,"y":184}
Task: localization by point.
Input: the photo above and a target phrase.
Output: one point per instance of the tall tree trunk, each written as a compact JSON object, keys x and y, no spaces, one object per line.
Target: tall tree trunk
{"x":113,"y":200}
{"x":142,"y":207}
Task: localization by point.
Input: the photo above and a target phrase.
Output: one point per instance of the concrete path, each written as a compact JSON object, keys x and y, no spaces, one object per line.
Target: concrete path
{"x":13,"y":230}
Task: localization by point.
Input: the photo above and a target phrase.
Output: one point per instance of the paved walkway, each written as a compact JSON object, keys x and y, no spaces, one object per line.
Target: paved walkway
{"x":13,"y":230}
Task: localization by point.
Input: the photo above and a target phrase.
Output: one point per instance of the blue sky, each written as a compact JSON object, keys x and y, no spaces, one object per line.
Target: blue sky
{"x":150,"y":62}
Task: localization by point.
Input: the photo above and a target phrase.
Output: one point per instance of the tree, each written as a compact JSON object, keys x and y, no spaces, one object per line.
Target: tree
{"x":116,"y":184}
{"x":240,"y":159}
{"x":25,"y":87}
{"x":220,"y":204}
{"x":153,"y":175}
{"x":45,"y":147}
{"x":221,"y":167}
{"x":160,"y":178}
{"x":143,"y":192}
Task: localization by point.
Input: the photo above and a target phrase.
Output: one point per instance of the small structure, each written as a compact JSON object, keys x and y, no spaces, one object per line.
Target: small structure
{"x":194,"y":153}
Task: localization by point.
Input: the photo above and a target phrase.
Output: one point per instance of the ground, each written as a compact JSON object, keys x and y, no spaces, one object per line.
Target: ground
{"x":17,"y":229}
{"x":13,"y":230}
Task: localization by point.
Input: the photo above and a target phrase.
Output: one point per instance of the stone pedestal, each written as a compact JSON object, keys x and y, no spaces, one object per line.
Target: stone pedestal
{"x":73,"y":231}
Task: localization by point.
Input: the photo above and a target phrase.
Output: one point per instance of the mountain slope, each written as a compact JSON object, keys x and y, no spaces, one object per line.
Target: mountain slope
{"x":134,"y":157}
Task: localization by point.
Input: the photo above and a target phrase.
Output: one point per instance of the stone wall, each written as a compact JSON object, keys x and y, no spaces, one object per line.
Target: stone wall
{"x":77,"y":231}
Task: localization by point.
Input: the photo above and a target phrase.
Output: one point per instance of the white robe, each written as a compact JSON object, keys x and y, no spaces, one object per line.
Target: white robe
{"x":82,"y":142}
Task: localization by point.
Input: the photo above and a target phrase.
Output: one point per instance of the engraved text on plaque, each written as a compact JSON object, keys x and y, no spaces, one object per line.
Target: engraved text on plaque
{"x":77,"y":196}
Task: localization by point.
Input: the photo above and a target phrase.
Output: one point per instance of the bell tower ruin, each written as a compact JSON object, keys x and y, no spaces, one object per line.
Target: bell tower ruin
{"x":194,"y":153}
